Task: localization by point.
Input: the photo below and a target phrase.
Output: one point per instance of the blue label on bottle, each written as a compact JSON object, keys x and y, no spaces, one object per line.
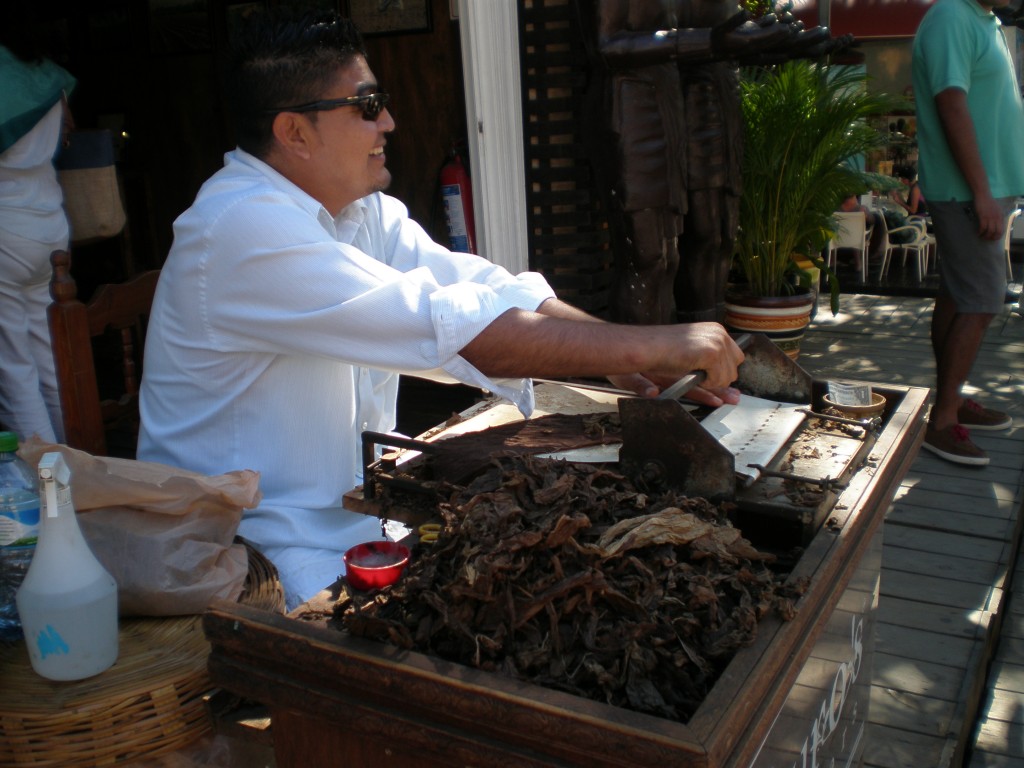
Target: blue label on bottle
{"x":49,"y":642}
{"x":19,"y":523}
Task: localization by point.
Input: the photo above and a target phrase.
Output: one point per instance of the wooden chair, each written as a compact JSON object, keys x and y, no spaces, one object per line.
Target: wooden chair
{"x":107,"y":424}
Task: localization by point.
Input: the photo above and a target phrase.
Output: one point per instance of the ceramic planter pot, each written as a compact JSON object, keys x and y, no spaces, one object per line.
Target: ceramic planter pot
{"x":783,"y":319}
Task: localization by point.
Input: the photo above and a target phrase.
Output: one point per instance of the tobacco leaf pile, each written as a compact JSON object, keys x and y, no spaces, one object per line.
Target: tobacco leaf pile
{"x":566,"y":576}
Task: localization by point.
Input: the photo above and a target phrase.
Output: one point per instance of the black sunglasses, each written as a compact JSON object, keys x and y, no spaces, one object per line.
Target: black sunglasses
{"x":372,"y":105}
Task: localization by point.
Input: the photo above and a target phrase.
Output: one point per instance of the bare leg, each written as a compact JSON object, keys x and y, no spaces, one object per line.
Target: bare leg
{"x":956,"y":337}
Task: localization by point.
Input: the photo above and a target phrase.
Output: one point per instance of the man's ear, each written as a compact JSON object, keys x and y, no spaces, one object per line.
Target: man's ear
{"x":293,"y":132}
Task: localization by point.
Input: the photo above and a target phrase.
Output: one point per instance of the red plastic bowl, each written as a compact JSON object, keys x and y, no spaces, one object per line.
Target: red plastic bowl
{"x":375,"y":564}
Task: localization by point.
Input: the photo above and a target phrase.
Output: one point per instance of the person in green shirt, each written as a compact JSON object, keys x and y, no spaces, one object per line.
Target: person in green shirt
{"x":970,"y":121}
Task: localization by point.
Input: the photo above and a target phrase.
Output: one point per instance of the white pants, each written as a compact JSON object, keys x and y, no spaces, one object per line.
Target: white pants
{"x":29,"y":398}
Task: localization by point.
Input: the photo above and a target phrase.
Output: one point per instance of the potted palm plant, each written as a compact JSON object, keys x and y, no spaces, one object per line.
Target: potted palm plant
{"x":806,"y":126}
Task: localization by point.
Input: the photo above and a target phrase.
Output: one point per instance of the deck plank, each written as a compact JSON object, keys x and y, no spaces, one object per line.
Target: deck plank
{"x":931,"y":618}
{"x":970,"y":570}
{"x":889,"y":747}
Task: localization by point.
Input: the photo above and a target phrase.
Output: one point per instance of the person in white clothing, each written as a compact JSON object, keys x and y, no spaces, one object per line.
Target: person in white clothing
{"x":33,"y":118}
{"x":296,"y":292}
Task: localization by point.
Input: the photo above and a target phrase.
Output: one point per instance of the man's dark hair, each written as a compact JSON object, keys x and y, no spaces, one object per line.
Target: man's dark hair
{"x":282,"y":58}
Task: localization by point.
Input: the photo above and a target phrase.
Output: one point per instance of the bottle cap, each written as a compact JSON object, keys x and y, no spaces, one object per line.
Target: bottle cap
{"x":8,"y":442}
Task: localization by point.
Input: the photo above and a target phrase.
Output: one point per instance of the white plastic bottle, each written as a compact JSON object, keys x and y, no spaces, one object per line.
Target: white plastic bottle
{"x":19,"y":528}
{"x":68,"y":601}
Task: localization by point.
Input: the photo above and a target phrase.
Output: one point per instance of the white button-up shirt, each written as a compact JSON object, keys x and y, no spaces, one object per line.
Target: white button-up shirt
{"x":278,"y":332}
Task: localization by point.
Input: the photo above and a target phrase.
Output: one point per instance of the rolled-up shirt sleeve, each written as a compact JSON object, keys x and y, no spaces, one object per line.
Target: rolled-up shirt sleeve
{"x":369,"y":288}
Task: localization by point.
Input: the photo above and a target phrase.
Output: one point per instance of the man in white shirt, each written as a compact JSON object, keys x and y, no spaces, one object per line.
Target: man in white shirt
{"x":296,"y":292}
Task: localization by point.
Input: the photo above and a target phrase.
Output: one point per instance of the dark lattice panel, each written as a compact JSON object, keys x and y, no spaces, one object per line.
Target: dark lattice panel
{"x":568,"y":237}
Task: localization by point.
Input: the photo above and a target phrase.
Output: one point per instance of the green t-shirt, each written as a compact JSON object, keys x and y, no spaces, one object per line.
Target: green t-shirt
{"x":960,"y":44}
{"x":28,"y":93}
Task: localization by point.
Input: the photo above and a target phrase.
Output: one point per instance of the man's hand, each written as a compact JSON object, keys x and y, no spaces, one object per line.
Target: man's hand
{"x":696,"y":347}
{"x":990,"y":218}
{"x":738,"y":36}
{"x":644,"y":387}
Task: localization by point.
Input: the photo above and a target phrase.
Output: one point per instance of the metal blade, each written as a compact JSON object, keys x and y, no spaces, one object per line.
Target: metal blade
{"x":684,"y":385}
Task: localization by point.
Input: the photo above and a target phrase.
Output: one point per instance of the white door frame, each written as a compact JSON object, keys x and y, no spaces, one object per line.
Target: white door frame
{"x":489,"y":33}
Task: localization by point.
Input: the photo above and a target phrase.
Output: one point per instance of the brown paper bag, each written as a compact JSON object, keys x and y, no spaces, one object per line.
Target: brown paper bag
{"x":166,"y":535}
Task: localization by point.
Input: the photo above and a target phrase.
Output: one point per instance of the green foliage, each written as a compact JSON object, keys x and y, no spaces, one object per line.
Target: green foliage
{"x":758,"y":8}
{"x":806,"y":126}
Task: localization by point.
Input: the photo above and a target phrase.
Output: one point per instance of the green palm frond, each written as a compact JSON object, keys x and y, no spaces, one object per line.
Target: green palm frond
{"x":806,"y":124}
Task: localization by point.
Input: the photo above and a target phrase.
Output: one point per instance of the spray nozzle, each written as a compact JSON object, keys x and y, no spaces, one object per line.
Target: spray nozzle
{"x":53,"y":470}
{"x":53,"y":467}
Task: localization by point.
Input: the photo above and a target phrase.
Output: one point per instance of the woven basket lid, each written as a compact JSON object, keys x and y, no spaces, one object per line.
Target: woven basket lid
{"x":149,"y":703}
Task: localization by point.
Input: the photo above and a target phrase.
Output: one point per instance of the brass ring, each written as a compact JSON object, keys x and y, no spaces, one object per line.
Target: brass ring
{"x":429,"y":532}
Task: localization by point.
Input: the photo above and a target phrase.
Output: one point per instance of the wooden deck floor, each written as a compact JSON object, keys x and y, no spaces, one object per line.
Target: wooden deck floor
{"x":948,"y":683}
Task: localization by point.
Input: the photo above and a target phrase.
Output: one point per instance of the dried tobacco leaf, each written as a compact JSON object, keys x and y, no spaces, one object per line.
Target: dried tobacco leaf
{"x":564,"y":575}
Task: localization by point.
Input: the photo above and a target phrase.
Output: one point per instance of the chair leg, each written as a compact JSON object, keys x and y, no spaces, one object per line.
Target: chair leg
{"x":886,"y":255}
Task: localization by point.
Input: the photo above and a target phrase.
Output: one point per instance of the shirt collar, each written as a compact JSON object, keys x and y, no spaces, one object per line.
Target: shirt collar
{"x":349,"y":221}
{"x":981,"y":10}
{"x":343,"y":227}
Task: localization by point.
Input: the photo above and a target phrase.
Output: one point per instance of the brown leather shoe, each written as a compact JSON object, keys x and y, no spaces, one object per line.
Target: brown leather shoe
{"x":976,"y":416}
{"x":954,"y":444}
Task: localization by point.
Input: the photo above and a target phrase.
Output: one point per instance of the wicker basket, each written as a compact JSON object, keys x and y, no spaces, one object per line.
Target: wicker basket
{"x":149,"y":703}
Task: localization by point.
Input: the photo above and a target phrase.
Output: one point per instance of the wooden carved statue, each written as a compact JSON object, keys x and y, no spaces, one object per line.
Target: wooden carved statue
{"x":665,"y":133}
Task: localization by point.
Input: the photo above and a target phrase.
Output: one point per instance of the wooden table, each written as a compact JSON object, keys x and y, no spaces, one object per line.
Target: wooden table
{"x":798,"y":693}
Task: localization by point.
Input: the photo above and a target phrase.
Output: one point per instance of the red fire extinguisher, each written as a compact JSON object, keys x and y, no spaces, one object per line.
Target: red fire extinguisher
{"x":457,"y":196}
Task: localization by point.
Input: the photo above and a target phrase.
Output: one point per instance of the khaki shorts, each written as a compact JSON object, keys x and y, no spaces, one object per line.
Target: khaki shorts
{"x":972,"y":271}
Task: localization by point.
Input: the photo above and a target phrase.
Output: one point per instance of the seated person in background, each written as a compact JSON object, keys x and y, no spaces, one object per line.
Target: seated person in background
{"x":296,"y":292}
{"x":852,"y":204}
{"x":912,"y":201}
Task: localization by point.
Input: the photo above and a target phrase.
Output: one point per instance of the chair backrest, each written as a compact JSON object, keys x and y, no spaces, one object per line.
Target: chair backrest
{"x":851,"y":230}
{"x":118,"y":313}
{"x":1008,"y":235}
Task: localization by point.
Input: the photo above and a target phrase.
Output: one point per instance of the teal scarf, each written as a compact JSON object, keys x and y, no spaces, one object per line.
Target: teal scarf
{"x":27,"y":92}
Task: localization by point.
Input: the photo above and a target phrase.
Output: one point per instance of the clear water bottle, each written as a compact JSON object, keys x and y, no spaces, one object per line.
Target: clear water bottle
{"x":19,"y":529}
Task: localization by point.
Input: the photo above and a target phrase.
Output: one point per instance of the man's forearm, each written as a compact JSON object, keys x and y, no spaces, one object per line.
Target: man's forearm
{"x":963,"y":143}
{"x":562,"y":341}
{"x":552,"y":343}
{"x":958,"y":128}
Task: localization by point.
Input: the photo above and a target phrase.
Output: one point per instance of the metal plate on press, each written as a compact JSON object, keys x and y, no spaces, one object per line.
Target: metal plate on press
{"x":799,"y":487}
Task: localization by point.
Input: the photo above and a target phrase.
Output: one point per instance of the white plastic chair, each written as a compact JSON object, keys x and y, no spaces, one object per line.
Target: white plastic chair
{"x":918,"y":246}
{"x":851,"y":232}
{"x":932,"y":250}
{"x":1007,"y":236}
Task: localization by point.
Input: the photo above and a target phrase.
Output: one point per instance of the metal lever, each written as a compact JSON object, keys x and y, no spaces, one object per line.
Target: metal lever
{"x":872,"y":425}
{"x":370,"y":442}
{"x":825,"y":483}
